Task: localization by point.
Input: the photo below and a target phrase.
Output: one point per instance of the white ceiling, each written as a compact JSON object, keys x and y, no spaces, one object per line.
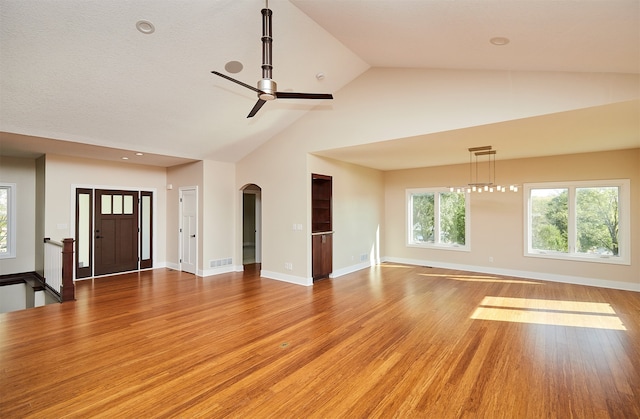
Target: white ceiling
{"x":545,"y":35}
{"x":80,"y":72}
{"x":581,"y":131}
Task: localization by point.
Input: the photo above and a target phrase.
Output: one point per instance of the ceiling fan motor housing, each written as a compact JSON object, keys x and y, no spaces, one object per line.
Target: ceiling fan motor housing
{"x":268,"y":89}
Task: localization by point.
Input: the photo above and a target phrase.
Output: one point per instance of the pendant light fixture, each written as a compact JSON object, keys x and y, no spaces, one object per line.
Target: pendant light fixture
{"x":482,"y":173}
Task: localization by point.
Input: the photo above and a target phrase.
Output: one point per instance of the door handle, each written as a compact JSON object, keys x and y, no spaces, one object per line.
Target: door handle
{"x":99,"y":237}
{"x":193,"y":236}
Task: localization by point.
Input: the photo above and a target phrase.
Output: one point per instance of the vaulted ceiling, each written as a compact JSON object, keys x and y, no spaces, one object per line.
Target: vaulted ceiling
{"x":78,"y":78}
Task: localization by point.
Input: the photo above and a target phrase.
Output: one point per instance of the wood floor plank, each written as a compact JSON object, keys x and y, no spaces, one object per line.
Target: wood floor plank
{"x":389,"y":341}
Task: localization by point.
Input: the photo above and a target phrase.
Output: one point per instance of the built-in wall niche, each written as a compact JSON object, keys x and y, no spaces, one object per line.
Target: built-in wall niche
{"x":321,"y":186}
{"x":321,"y":226}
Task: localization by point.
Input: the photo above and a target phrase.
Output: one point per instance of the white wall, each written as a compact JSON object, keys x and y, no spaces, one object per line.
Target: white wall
{"x":283,"y":171}
{"x":497,"y":219}
{"x":40,"y":213}
{"x":13,"y":297}
{"x":217,"y":213}
{"x":185,"y":175}
{"x":384,"y":104}
{"x":279,"y":168}
{"x":64,"y":174}
{"x":358,"y":213}
{"x":22,"y":172}
{"x":220,"y":212}
{"x":388,"y":103}
{"x":381,"y":104}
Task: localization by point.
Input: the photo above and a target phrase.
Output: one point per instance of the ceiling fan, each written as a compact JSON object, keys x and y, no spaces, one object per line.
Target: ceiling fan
{"x":267,"y":88}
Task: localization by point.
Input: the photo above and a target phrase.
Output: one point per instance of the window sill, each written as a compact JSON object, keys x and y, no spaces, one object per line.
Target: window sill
{"x":617,"y":260}
{"x":435,"y":246}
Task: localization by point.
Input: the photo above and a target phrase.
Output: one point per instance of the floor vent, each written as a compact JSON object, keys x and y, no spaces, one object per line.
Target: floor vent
{"x":220,"y":262}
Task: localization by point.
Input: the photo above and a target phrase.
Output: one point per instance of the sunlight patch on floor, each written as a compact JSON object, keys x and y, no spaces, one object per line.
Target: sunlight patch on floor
{"x":482,"y":278}
{"x":549,"y":312}
{"x":387,"y":265}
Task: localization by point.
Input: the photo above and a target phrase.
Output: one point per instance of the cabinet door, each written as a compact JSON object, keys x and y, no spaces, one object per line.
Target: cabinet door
{"x":322,"y":249}
{"x":327,"y":254}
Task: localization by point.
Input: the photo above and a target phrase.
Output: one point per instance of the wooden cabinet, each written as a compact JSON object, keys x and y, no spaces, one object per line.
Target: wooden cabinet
{"x":321,"y":226}
{"x":322,"y":252}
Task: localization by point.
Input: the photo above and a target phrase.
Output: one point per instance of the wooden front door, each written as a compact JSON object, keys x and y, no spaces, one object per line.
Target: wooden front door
{"x":115,"y":231}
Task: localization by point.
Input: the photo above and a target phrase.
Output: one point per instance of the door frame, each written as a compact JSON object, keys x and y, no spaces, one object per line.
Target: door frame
{"x":258,"y":220}
{"x":73,"y":217}
{"x":82,"y":272}
{"x":257,"y":238}
{"x":181,"y":191}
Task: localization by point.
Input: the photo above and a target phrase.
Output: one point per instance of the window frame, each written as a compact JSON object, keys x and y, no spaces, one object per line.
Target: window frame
{"x":11,"y":220}
{"x":437,"y":244}
{"x":624,"y":222}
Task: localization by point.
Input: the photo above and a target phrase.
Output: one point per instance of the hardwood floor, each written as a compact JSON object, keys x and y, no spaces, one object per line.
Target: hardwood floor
{"x":390,"y":341}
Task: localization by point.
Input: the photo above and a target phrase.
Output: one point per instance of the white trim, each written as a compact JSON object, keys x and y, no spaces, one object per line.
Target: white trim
{"x":181,"y":192}
{"x":172,"y":265}
{"x":350,"y":269}
{"x":258,"y":220}
{"x":440,"y":246}
{"x":12,"y":216}
{"x":624,"y":222}
{"x":298,"y":280}
{"x":542,"y":276}
{"x":437,"y":244}
{"x":216,"y":271}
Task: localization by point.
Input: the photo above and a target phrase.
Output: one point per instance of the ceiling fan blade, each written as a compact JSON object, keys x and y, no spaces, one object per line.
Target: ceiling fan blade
{"x":256,"y":108}
{"x":294,"y":95}
{"x":224,"y":76}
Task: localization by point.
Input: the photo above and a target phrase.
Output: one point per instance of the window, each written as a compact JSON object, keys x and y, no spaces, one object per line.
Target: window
{"x":437,"y":218}
{"x":7,"y":220}
{"x":578,"y":221}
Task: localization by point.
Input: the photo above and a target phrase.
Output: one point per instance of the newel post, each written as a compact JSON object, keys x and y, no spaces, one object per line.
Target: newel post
{"x":68,"y":287}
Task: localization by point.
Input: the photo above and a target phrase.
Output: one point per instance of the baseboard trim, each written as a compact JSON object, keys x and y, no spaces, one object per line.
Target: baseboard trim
{"x":298,"y":280}
{"x":350,"y":269}
{"x":566,"y":279}
{"x":216,"y":271}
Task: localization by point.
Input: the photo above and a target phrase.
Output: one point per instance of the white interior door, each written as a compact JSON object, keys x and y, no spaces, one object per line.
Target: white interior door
{"x":188,"y":229}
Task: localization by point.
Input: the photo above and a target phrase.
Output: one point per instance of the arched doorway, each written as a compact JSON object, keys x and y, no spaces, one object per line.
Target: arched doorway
{"x":251,"y":225}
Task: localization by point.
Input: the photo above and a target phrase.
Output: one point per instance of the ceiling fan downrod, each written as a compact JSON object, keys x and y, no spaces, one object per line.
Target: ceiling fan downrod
{"x":266,"y":85}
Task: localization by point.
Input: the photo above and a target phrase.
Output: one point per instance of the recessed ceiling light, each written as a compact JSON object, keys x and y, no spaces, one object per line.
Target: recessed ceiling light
{"x":145,"y":27}
{"x":125,"y":158}
{"x":233,"y":67}
{"x":320,"y":76}
{"x":499,"y":40}
{"x":139,"y":154}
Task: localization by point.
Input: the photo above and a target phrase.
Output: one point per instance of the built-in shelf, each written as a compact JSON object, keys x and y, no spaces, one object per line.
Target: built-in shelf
{"x":321,"y":226}
{"x":320,"y":203}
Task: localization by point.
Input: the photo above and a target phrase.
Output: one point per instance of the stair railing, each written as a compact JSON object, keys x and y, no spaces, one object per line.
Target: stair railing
{"x":58,"y":268}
